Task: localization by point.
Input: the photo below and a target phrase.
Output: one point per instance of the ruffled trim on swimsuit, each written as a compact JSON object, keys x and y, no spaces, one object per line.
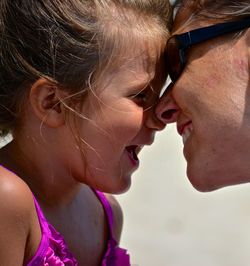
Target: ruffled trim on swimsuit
{"x":115,"y":256}
{"x":58,"y":253}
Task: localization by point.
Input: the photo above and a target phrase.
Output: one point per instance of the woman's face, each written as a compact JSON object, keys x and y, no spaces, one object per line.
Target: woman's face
{"x":120,"y":121}
{"x":211,"y":99}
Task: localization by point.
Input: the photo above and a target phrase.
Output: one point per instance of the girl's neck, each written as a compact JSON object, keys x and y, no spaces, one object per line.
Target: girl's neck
{"x":49,"y":181}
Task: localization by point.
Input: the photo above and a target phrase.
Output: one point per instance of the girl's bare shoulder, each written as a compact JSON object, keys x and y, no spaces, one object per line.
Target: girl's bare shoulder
{"x":17,"y":214}
{"x":15,"y":196}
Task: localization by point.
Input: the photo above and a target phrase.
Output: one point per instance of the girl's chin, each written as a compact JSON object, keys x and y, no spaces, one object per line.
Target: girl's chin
{"x":121,"y":187}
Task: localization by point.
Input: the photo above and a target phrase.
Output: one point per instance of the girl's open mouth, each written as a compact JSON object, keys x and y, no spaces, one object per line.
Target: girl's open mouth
{"x":131,"y":150}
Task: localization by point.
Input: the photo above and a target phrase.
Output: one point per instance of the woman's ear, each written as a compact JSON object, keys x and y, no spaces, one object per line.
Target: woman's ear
{"x":46,"y":102}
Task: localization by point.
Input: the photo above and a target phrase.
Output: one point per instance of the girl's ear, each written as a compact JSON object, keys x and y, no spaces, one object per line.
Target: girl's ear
{"x":46,"y":102}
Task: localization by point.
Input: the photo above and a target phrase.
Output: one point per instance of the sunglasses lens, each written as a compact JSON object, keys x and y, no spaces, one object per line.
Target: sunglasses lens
{"x":174,"y":66}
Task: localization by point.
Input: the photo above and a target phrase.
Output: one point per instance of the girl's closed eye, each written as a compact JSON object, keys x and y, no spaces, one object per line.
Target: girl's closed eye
{"x":145,"y":98}
{"x":142,"y":97}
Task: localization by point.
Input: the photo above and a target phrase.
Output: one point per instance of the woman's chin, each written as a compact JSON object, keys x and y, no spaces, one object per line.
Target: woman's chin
{"x":204,"y":181}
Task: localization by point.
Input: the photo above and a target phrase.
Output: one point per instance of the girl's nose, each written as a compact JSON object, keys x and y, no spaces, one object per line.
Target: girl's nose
{"x":167,"y":110}
{"x":152,"y":122}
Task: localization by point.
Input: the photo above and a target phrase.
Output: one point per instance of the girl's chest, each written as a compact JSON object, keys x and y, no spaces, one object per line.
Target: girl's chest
{"x":85,"y":234}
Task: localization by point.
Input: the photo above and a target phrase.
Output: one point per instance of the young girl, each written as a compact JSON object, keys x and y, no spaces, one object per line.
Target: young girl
{"x":78,"y":80}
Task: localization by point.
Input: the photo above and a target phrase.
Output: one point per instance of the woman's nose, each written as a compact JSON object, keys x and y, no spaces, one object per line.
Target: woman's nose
{"x":167,"y":110}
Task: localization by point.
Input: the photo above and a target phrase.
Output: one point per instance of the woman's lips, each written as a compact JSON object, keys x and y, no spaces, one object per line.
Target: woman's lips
{"x":185,"y":130}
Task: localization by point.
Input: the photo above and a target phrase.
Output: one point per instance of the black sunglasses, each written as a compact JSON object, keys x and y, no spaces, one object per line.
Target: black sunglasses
{"x":178,"y":44}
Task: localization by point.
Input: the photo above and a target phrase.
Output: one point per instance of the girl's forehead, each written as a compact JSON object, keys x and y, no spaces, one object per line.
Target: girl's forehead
{"x":144,"y":53}
{"x":137,"y":68}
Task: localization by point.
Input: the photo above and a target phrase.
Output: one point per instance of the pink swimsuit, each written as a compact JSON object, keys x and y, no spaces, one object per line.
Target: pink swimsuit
{"x":53,"y":250}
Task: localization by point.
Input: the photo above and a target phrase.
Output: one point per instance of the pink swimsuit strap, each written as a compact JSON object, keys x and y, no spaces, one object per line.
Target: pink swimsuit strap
{"x":107,"y":209}
{"x":114,"y":256}
{"x":53,"y":250}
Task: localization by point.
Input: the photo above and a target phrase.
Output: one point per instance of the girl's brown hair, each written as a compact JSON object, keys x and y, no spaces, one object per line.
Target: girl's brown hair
{"x":68,"y":42}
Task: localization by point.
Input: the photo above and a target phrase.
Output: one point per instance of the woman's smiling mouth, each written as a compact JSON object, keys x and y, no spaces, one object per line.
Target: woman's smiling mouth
{"x":185,"y":131}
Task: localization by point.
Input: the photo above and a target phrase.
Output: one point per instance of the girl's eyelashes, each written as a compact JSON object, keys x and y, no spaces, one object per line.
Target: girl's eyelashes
{"x":144,"y":96}
{"x":140,"y":98}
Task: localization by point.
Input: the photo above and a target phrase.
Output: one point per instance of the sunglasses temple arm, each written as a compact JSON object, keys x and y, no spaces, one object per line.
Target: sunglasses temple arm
{"x":203,"y":34}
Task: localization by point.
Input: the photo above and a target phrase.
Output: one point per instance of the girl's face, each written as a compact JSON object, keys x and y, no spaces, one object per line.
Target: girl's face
{"x":118,"y":121}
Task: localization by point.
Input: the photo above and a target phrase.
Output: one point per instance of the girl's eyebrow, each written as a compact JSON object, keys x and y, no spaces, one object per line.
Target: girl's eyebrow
{"x":138,"y":88}
{"x":143,"y":83}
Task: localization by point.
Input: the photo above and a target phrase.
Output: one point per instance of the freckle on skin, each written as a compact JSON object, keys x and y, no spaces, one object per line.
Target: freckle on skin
{"x":240,"y":68}
{"x":243,"y":65}
{"x":212,"y":81}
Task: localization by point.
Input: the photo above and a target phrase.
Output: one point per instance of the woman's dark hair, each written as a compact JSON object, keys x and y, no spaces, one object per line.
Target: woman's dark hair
{"x":217,"y":9}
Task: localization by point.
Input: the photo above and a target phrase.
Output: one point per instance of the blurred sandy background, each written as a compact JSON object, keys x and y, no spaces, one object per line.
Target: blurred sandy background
{"x":168,"y":223}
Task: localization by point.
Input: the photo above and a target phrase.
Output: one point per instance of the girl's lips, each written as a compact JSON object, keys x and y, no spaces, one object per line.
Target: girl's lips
{"x":132,"y":152}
